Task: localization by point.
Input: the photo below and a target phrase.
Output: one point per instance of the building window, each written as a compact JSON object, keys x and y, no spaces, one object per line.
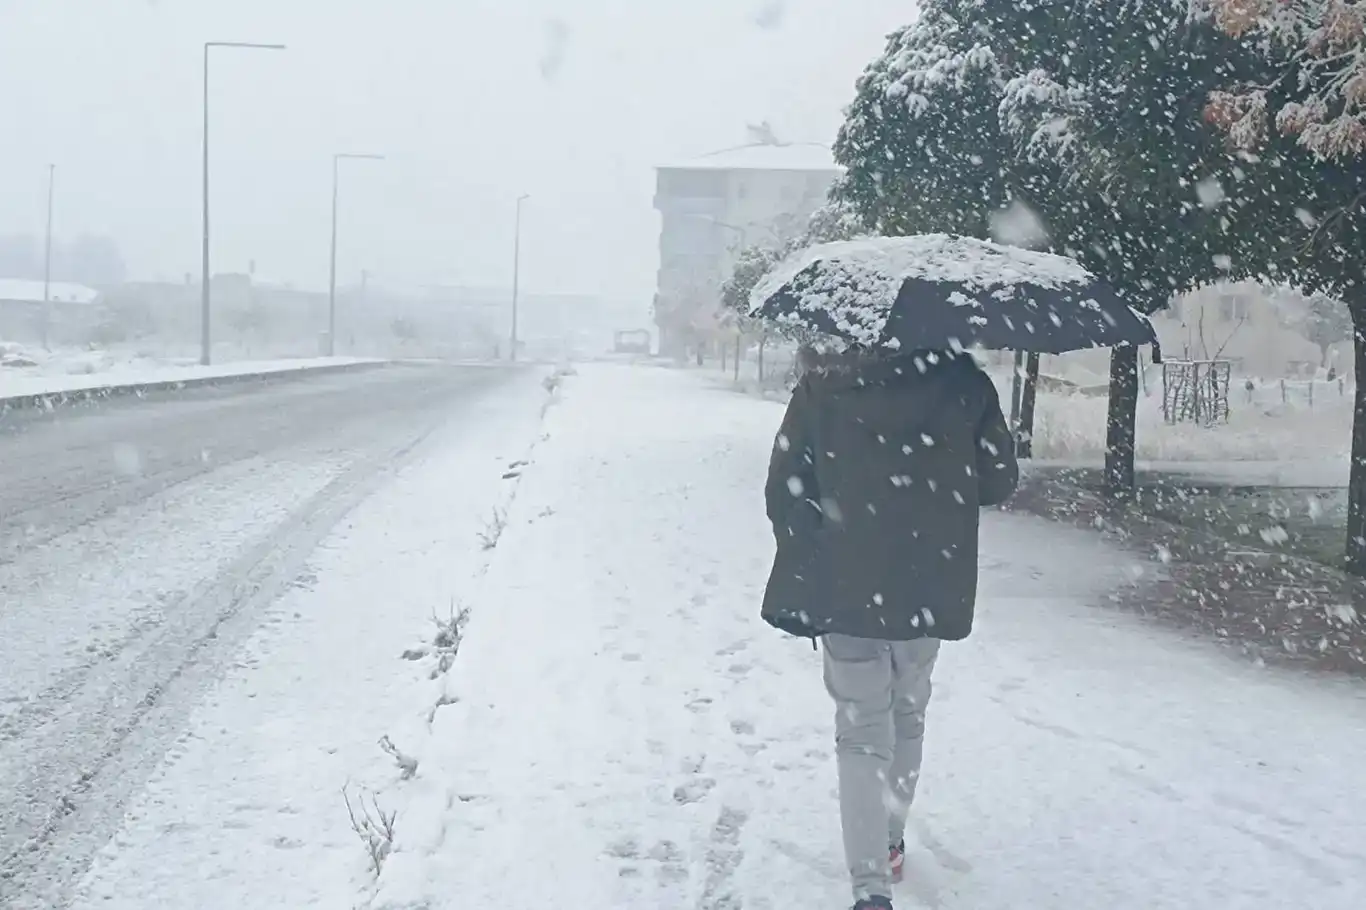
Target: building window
{"x":689,"y":235}
{"x":685,"y":184}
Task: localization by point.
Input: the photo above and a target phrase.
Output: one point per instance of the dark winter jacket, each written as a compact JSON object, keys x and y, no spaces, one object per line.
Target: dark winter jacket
{"x":874,"y":488}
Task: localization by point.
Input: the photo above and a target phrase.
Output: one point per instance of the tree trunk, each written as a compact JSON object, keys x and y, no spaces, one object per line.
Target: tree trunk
{"x":1016,"y":377}
{"x":739,"y":345}
{"x":1356,"y":484}
{"x":1028,"y":397}
{"x":1120,"y":419}
{"x":763,"y":340}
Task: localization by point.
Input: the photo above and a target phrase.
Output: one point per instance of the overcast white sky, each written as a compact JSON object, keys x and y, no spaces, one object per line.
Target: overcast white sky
{"x":451,"y":91}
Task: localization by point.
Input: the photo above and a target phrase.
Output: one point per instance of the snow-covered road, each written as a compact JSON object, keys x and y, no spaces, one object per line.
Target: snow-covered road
{"x":143,"y":542}
{"x":620,"y":729}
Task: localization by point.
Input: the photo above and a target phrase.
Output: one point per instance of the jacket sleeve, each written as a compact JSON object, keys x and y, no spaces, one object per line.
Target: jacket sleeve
{"x":791,"y":468}
{"x":998,"y":473}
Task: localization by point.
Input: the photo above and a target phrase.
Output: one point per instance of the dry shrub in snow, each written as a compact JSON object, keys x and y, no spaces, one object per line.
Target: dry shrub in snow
{"x":556,"y":379}
{"x":445,"y":641}
{"x":493,"y":530}
{"x":407,"y":765}
{"x":373,"y":826}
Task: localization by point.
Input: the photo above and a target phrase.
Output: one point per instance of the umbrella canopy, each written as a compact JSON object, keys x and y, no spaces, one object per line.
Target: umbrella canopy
{"x":939,"y":292}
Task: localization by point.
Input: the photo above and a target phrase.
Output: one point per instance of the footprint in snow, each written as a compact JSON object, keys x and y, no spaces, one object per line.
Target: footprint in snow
{"x":694,"y":791}
{"x":625,"y":848}
{"x":724,"y":855}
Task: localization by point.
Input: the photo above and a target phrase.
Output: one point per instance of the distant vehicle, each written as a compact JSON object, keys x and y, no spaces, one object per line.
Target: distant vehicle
{"x":632,"y":341}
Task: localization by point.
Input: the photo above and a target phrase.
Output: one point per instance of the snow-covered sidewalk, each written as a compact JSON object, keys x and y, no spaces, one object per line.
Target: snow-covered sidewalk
{"x":621,"y":730}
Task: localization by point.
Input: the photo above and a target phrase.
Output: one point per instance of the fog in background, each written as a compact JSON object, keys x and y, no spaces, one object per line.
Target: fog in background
{"x":473,"y":101}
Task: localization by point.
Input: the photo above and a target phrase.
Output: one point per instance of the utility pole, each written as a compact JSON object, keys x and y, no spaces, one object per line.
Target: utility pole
{"x":364,"y":295}
{"x":331,"y":349}
{"x":516,"y":272}
{"x":47,"y":262}
{"x":205,"y":337}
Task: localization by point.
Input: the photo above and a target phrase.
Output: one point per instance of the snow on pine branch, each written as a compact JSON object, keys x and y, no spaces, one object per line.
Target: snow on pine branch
{"x":1323,"y":43}
{"x":926,"y":63}
{"x":1040,"y":113}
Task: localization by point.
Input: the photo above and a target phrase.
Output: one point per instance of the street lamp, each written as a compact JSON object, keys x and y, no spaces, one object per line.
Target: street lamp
{"x":205,"y":338}
{"x":516,"y":270}
{"x":332,"y":269}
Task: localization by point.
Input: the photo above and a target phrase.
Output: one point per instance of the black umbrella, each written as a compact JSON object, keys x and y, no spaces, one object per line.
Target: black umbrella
{"x":940,"y":292}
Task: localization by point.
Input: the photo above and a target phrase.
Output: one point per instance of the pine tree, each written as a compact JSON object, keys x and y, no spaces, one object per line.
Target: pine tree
{"x":1106,"y":102}
{"x":921,"y":143}
{"x":1087,"y":111}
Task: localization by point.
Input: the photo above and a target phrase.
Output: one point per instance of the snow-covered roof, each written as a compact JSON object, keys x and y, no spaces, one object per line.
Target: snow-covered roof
{"x":58,"y":291}
{"x":859,"y":279}
{"x":795,"y":156}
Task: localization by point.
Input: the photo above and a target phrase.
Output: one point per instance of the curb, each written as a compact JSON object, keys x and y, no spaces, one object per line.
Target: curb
{"x":53,"y":400}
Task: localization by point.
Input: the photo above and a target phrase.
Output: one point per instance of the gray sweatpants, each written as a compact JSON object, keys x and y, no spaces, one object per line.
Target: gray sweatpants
{"x":880,"y":689}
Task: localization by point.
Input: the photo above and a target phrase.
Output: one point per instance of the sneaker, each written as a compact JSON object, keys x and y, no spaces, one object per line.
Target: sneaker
{"x":897,"y":860}
{"x":874,"y":903}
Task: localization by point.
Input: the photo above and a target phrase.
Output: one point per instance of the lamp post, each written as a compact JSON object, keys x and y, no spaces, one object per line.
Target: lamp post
{"x":47,"y":261}
{"x":332,"y":267}
{"x":516,"y":271}
{"x":205,"y":338}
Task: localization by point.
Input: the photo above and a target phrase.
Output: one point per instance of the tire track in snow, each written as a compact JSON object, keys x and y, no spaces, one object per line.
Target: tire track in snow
{"x":73,"y":756}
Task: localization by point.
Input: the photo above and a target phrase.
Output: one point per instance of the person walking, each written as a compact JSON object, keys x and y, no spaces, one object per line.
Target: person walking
{"x":877,"y":475}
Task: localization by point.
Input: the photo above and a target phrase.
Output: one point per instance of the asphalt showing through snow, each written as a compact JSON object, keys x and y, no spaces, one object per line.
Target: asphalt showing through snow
{"x":139,"y":542}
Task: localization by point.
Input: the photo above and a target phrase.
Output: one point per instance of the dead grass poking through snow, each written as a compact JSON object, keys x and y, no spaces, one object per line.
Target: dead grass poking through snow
{"x":372,"y":825}
{"x":493,"y":530}
{"x":407,"y":765}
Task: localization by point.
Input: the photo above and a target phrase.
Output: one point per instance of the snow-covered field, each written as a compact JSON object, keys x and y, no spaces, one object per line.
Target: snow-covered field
{"x":31,"y":361}
{"x":27,"y":373}
{"x":1291,"y":421}
{"x":1072,"y":427}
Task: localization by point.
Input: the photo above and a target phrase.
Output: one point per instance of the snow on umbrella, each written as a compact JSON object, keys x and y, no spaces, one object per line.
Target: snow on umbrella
{"x":939,"y":292}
